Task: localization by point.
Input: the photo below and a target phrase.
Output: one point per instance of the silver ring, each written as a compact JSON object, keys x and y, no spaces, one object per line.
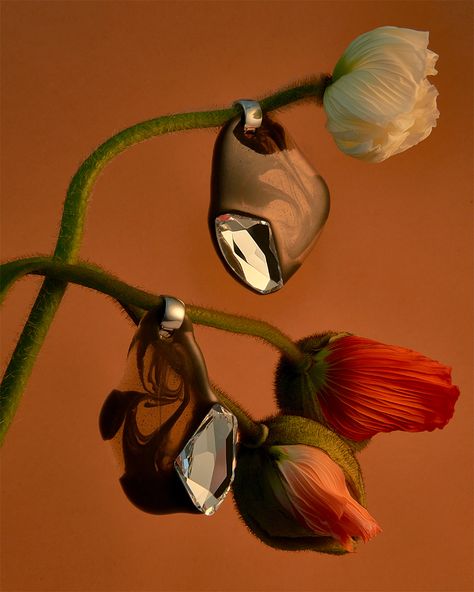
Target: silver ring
{"x":252,"y":113}
{"x":173,"y":316}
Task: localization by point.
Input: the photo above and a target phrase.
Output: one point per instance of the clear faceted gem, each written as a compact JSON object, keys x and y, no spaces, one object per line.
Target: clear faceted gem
{"x":248,"y":247}
{"x":207,"y":462}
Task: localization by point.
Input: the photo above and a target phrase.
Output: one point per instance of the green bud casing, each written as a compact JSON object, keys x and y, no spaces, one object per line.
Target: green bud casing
{"x":257,"y":482}
{"x":297,"y":386}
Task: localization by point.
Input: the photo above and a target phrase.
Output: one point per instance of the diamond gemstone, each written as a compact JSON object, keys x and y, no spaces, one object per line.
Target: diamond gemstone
{"x":206,"y":464}
{"x":248,"y":247}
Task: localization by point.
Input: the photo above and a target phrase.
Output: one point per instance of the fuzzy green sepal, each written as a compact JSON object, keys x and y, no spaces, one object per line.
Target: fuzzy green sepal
{"x":257,"y":478}
{"x":264,"y":515}
{"x":297,"y":386}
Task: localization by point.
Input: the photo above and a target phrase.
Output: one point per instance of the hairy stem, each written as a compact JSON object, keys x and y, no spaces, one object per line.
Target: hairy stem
{"x":73,"y":220}
{"x":134,"y":299}
{"x":252,"y":434}
{"x":247,"y":326}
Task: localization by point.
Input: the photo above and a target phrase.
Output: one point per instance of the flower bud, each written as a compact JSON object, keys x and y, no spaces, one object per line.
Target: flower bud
{"x":360,"y":387}
{"x":380,"y":102}
{"x":302,"y":489}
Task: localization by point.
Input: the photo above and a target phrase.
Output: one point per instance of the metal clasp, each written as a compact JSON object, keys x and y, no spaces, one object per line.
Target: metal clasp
{"x":173,"y":317}
{"x":252,"y":113}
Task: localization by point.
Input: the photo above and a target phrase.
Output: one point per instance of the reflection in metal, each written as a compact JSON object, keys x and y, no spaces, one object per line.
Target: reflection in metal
{"x":262,"y":176}
{"x":157,"y":411}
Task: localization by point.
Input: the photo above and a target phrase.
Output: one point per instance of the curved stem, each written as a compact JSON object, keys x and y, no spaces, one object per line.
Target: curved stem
{"x":75,"y":206}
{"x":247,"y":326}
{"x":252,"y":433}
{"x":73,"y":220}
{"x":92,"y":276}
{"x":28,"y":347}
{"x":135,"y":313}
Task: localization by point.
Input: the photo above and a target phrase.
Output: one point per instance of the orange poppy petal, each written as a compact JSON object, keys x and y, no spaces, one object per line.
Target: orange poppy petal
{"x":318,"y":497}
{"x":370,"y":387}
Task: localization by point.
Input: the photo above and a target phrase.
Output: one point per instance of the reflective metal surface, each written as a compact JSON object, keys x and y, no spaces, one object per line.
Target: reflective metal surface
{"x":263,"y":175}
{"x":252,"y":114}
{"x":150,"y":417}
{"x":173,"y":316}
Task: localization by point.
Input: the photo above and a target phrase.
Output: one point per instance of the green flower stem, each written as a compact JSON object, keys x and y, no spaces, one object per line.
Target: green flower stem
{"x":134,"y":299}
{"x":252,"y":434}
{"x":73,"y":220}
{"x":134,"y":312}
{"x":28,"y":347}
{"x":247,"y":326}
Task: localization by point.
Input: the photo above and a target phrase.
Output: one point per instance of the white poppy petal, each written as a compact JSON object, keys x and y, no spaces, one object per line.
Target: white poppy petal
{"x":370,"y":96}
{"x":380,"y":102}
{"x":431,"y":59}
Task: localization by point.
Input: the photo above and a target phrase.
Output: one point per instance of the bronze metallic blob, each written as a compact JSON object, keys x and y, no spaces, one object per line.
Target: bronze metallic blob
{"x":262,"y":176}
{"x":160,"y":402}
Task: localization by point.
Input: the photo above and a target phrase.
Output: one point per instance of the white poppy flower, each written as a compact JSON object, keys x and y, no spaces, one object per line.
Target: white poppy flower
{"x":380,"y":102}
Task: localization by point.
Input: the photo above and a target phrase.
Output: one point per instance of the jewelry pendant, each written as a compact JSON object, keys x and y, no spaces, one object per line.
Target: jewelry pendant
{"x":268,"y":205}
{"x":175,"y":443}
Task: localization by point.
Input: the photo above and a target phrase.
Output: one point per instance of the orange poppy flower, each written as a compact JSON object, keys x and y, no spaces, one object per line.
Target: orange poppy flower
{"x":361,"y":387}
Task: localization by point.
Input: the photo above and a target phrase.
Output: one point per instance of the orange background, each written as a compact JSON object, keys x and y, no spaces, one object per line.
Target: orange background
{"x":393,"y":264}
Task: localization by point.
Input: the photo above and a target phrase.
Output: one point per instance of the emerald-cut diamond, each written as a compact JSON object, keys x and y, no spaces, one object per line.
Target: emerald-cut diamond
{"x":206,"y":464}
{"x":248,"y":247}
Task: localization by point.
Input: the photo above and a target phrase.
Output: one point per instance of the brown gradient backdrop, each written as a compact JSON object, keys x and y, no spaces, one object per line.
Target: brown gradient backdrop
{"x":393,"y":264}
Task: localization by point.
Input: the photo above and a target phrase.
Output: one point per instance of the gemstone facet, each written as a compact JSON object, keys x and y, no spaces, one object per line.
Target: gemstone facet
{"x":247,"y":245}
{"x":207,"y":462}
